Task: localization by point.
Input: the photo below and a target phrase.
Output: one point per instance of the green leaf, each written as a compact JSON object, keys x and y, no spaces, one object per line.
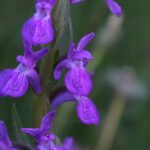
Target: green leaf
{"x":61,"y":15}
{"x":21,"y":137}
{"x":62,"y":19}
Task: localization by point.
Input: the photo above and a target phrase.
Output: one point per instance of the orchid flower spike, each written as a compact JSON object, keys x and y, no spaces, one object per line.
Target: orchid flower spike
{"x":44,"y":139}
{"x":39,"y":28}
{"x":114,"y":7}
{"x":86,"y":110}
{"x":5,"y":142}
{"x":15,"y":82}
{"x":77,"y":80}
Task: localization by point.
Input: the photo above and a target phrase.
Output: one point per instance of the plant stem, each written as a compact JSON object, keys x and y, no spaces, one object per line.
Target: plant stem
{"x":42,"y":104}
{"x":41,"y":108}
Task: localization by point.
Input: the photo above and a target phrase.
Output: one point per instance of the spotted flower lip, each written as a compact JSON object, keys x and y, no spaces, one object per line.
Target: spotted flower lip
{"x":44,"y":139}
{"x":39,"y":28}
{"x":15,"y":82}
{"x":114,"y":7}
{"x":86,"y":110}
{"x":5,"y":142}
{"x":77,"y":79}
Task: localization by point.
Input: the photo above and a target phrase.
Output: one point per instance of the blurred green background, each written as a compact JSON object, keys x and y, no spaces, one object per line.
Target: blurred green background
{"x":118,"y":43}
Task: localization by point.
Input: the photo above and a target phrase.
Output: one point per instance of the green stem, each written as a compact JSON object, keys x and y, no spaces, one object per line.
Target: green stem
{"x":111,"y":124}
{"x":42,"y":104}
{"x":40,"y":109}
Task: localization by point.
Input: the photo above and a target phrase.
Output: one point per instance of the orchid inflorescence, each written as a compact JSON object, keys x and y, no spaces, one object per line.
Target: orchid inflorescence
{"x":14,"y":82}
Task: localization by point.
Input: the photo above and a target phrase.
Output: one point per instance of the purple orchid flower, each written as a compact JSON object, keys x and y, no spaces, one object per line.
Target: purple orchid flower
{"x":75,"y":1}
{"x":5,"y":142}
{"x":15,"y":82}
{"x":114,"y":7}
{"x":39,"y":28}
{"x":77,"y":80}
{"x":86,"y":110}
{"x":44,"y":139}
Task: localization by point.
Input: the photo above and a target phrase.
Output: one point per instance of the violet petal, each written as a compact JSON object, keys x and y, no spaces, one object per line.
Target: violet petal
{"x":68,"y":143}
{"x":27,"y":48}
{"x":58,"y":69}
{"x":71,"y":50}
{"x":52,"y":2}
{"x":30,"y":57}
{"x":78,"y":81}
{"x":47,"y":121}
{"x":16,"y":83}
{"x":114,"y":7}
{"x":33,"y":132}
{"x":48,"y":3}
{"x":38,"y":31}
{"x":62,"y":98}
{"x":87,"y":111}
{"x":40,"y":54}
{"x":75,"y":1}
{"x":4,"y":138}
{"x":34,"y":80}
{"x":85,"y":40}
{"x":83,"y":55}
{"x":5,"y":75}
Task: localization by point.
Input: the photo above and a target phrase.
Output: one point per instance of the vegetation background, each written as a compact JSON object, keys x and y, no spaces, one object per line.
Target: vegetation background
{"x":119,"y":43}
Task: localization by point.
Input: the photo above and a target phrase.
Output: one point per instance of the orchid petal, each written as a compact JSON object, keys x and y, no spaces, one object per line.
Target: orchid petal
{"x":16,"y":83}
{"x":4,"y":138}
{"x":50,"y":3}
{"x":68,"y":143}
{"x":34,"y":80}
{"x":87,"y":111}
{"x":22,"y":60}
{"x":75,"y":1}
{"x":5,"y":75}
{"x":40,"y":54}
{"x":45,"y":126}
{"x":30,"y":57}
{"x":71,"y":50}
{"x":38,"y":31}
{"x":61,"y":98}
{"x":33,"y":132}
{"x":85,"y":40}
{"x":84,"y":54}
{"x":27,"y":48}
{"x":58,"y":69}
{"x":114,"y":7}
{"x":78,"y":81}
{"x":47,"y":121}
